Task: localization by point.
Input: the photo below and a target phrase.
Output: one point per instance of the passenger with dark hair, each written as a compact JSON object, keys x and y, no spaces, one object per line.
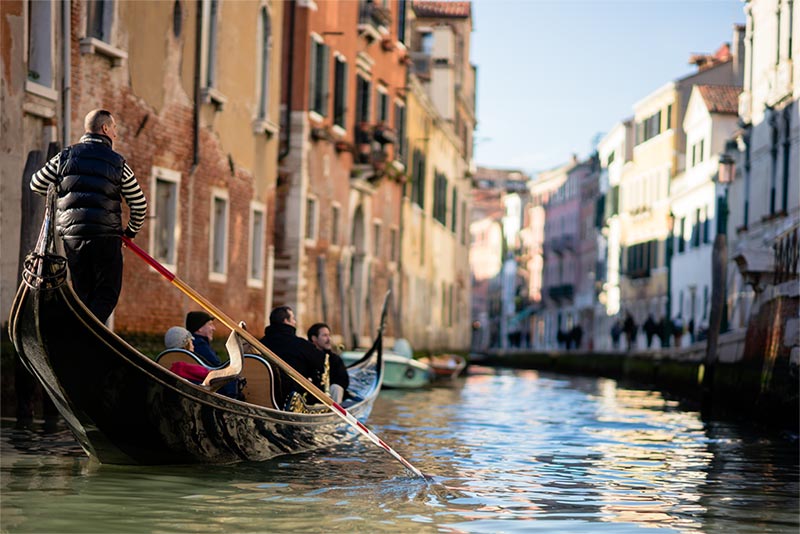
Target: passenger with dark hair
{"x":301,"y":354}
{"x":338,"y":380}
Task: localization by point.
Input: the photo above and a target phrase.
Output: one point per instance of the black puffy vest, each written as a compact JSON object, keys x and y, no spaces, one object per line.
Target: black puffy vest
{"x":90,"y":199}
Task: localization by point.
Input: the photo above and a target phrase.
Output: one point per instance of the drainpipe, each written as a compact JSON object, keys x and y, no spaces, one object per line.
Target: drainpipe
{"x":66,"y":89}
{"x":198,"y":45}
{"x":287,"y":126}
{"x":198,"y":50}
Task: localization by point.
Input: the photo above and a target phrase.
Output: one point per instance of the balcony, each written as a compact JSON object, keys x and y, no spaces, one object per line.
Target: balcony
{"x":421,"y":65}
{"x":373,"y":20}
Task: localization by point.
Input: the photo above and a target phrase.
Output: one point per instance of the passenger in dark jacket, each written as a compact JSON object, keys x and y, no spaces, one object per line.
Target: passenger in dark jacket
{"x":93,"y":180}
{"x":320,"y":335}
{"x":201,"y":325}
{"x":280,"y":338}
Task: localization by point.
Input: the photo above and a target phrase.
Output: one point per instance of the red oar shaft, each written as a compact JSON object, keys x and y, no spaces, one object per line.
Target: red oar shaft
{"x":288,"y":369}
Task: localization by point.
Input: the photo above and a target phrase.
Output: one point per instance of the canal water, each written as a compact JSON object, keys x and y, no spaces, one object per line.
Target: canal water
{"x":509,"y":451}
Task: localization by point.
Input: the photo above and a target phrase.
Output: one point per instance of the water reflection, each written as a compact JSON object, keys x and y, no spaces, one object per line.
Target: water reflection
{"x":509,"y":452}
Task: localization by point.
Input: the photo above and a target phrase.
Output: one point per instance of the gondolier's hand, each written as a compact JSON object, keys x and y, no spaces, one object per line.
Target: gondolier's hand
{"x":129,"y":234}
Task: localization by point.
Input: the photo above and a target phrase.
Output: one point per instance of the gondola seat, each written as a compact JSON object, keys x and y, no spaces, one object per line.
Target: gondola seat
{"x":260,"y":381}
{"x":259,"y":378}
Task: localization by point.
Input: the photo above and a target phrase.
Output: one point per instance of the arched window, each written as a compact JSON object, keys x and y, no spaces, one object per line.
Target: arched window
{"x":264,"y":63}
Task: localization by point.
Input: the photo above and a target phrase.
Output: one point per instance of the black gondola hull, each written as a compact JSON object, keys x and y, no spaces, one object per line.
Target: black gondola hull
{"x":124,"y":408}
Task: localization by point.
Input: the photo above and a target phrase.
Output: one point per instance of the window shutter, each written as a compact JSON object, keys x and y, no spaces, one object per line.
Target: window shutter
{"x":324,"y":79}
{"x":312,"y":79}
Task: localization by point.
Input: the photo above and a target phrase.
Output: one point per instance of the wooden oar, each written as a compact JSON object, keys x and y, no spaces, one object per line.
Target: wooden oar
{"x":291,"y":371}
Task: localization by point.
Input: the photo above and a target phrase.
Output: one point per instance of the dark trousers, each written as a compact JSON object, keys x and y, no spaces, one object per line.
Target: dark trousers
{"x":95,"y":267}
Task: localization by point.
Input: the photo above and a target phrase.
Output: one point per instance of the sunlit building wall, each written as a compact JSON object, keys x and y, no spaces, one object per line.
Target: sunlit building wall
{"x":658,"y":156}
{"x":764,"y":199}
{"x":711,"y":118}
{"x":614,"y":150}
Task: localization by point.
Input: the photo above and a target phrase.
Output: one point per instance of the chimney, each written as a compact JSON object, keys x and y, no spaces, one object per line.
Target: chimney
{"x":737,"y":48}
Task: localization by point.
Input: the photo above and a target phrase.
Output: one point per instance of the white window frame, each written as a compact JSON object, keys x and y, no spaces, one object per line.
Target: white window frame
{"x":216,"y":276}
{"x":165,"y":175}
{"x":103,"y":47}
{"x":209,"y":42}
{"x":311,"y":234}
{"x":257,"y":240}
{"x":39,"y":48}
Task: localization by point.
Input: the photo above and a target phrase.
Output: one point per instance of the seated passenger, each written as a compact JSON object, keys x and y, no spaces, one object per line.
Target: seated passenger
{"x":178,"y":337}
{"x":280,"y":338}
{"x":338,"y":380}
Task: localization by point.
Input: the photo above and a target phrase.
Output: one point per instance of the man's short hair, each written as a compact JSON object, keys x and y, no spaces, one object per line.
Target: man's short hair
{"x":279,"y":314}
{"x":95,"y":120}
{"x":315,"y":328}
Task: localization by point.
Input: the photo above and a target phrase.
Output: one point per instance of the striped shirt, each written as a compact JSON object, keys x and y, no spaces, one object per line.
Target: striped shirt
{"x":131,"y":192}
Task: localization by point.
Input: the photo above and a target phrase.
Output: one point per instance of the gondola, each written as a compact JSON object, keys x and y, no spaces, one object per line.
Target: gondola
{"x":125,"y":408}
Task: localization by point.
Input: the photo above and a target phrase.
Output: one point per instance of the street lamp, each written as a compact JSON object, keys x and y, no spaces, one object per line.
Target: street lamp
{"x":717,"y":320}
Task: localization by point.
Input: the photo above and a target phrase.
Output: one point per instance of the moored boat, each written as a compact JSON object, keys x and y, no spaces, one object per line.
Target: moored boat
{"x":399,"y":371}
{"x":445,"y":366}
{"x":125,"y":408}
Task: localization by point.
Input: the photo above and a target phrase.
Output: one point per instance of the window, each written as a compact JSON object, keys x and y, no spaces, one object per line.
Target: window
{"x":319,"y":77}
{"x":335,"y":217}
{"x":255,"y":273}
{"x":426,"y":43}
{"x":311,"y":219}
{"x":340,"y":92}
{"x":363,"y":88}
{"x":648,"y":128}
{"x":40,"y":42}
{"x":209,"y":40}
{"x":376,"y":238}
{"x":264,"y":63}
{"x":99,"y":16}
{"x":418,"y":179}
{"x":163,"y":241}
{"x":219,"y":235}
{"x":401,"y":21}
{"x":440,"y":198}
{"x":669,"y":118}
{"x":382,"y":105}
{"x":400,"y":128}
{"x":393,"y":244}
{"x":454,"y":211}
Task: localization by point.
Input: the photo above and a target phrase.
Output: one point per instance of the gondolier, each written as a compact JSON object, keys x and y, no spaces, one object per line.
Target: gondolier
{"x":93,"y":179}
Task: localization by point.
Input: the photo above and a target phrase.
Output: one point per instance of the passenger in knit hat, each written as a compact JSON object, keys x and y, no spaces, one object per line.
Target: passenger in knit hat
{"x":178,"y":337}
{"x":196,"y":320}
{"x":201,"y":325}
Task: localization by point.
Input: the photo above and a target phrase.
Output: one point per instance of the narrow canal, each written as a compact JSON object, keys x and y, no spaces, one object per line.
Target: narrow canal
{"x":510,"y":451}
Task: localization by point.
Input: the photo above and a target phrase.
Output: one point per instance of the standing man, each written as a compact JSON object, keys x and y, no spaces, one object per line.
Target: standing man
{"x":280,"y":338}
{"x":93,"y":179}
{"x":320,"y":335}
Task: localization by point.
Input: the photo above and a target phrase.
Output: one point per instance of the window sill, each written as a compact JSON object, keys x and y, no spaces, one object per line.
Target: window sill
{"x":92,"y":45}
{"x":218,"y":277}
{"x":255,"y":283}
{"x":264,"y":126}
{"x":213,"y":96}
{"x":41,"y":90}
{"x":315,"y":117}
